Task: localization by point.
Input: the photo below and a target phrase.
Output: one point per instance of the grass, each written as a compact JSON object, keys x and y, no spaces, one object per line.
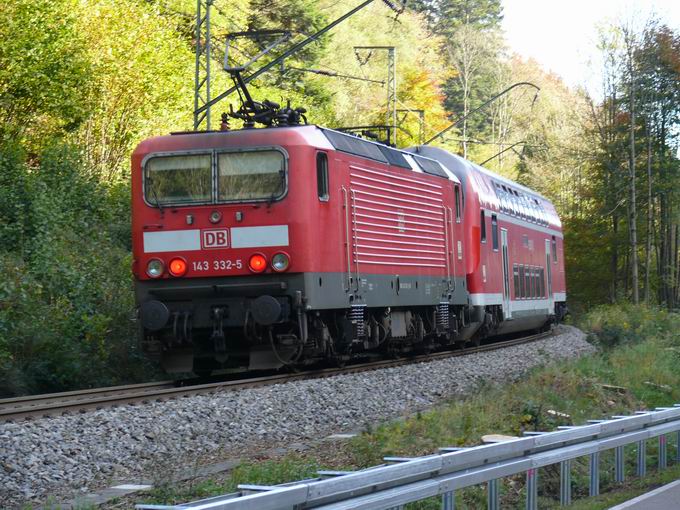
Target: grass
{"x":269,"y":472}
{"x":636,"y":368}
{"x":51,"y":505}
{"x":629,"y":490}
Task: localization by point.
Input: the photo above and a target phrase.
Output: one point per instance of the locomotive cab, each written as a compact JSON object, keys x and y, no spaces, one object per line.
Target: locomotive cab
{"x":216,"y":221}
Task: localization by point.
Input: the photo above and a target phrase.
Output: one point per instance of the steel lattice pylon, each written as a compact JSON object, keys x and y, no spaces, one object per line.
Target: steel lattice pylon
{"x":202,"y":76}
{"x":203,"y":100}
{"x":392,"y":92}
{"x":391,"y":86}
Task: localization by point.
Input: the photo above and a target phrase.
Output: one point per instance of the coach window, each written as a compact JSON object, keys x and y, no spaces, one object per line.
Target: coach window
{"x":457,"y":193}
{"x":494,"y":232}
{"x":322,"y":176}
{"x":505,"y":200}
{"x":523,"y":207}
{"x":522,"y":289}
{"x":554,"y":249}
{"x":527,"y":283}
{"x":542,"y":280}
{"x":538,"y":283}
{"x":482,"y":222}
{"x":515,"y":275}
{"x":537,"y":290}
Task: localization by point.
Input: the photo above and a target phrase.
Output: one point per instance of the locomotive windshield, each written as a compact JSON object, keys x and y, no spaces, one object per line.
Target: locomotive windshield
{"x":241,"y":176}
{"x":178,"y":179}
{"x":250,"y":175}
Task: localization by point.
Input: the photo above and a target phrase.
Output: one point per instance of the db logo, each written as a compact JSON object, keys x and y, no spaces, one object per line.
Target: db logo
{"x":215,"y":238}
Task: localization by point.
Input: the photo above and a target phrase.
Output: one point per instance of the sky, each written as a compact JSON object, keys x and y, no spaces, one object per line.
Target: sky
{"x":561,"y":35}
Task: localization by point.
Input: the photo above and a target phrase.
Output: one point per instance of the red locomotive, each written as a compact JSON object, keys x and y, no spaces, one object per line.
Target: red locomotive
{"x":281,"y":246}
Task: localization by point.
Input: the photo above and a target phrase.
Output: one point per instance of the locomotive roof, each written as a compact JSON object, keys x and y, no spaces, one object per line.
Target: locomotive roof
{"x":462,"y":166}
{"x":385,"y":154}
{"x":317,"y":136}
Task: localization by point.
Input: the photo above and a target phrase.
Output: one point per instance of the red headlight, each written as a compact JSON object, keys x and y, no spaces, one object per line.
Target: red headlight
{"x":177,"y":267}
{"x":257,"y":263}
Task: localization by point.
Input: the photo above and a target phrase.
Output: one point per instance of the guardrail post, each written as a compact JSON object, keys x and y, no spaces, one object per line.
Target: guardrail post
{"x":449,"y":501}
{"x":619,"y":467}
{"x":565,"y":482}
{"x":642,"y":458}
{"x":532,"y":489}
{"x":662,"y":452}
{"x":594,"y":488}
{"x":492,"y":499}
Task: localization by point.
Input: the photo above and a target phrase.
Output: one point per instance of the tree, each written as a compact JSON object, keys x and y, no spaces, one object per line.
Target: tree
{"x":633,"y":147}
{"x":470,"y":30}
{"x":142,"y":81}
{"x":484,"y":15}
{"x":469,"y":51}
{"x":44,"y":70}
{"x":629,"y":45}
{"x":658,"y":59}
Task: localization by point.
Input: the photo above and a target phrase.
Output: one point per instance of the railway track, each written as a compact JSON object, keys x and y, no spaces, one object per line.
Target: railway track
{"x":37,"y":406}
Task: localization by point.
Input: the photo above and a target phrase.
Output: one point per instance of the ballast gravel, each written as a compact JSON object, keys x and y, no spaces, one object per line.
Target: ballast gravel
{"x":68,"y":455}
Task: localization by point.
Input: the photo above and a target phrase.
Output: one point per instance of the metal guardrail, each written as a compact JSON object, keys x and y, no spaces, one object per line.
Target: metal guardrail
{"x":406,"y":480}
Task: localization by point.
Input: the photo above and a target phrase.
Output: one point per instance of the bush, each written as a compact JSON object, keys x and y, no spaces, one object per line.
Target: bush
{"x":66,"y":296}
{"x":611,"y":325}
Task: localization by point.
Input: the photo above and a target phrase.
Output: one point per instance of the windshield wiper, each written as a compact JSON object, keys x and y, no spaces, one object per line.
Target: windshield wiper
{"x":155,"y":197}
{"x":272,"y":197}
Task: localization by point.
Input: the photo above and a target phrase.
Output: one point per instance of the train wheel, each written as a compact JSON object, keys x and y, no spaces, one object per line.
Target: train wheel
{"x":340,"y":361}
{"x":203,"y":367}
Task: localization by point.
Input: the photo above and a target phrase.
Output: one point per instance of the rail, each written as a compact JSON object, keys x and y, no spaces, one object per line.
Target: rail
{"x":37,"y":406}
{"x":407,"y":480}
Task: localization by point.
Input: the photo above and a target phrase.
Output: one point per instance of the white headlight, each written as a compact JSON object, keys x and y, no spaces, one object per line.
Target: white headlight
{"x":155,"y":268}
{"x":280,"y":262}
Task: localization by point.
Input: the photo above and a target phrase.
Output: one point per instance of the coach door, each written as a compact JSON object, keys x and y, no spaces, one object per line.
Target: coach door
{"x":506,"y":273}
{"x":548,"y":273}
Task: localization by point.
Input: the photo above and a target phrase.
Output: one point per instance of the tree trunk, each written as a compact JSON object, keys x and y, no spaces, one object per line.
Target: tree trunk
{"x":615,"y":258}
{"x":650,"y":213}
{"x":672,"y":261}
{"x":632,"y":207}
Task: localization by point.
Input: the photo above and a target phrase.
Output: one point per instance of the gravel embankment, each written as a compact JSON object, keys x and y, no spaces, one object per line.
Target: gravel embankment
{"x":68,"y":454}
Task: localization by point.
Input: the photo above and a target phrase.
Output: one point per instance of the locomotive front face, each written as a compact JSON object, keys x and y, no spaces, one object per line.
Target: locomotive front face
{"x":203,"y":226}
{"x":214,"y":260}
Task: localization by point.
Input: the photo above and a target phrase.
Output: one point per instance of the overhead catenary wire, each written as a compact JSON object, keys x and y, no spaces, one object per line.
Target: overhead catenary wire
{"x":199,"y":110}
{"x":511,"y":147}
{"x":335,"y":74}
{"x":482,"y":106}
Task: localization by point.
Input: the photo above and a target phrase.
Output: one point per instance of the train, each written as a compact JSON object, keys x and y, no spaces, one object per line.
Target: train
{"x":283,"y":247}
